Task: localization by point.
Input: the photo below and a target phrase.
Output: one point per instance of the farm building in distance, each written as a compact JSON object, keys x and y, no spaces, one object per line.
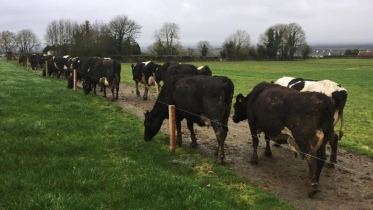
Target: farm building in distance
{"x":365,"y":54}
{"x":319,"y":51}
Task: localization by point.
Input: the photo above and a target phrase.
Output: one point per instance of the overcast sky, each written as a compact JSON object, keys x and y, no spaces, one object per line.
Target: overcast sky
{"x":324,"y":21}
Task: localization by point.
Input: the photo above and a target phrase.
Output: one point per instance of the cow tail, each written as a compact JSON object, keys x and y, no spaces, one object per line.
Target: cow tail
{"x":340,"y":98}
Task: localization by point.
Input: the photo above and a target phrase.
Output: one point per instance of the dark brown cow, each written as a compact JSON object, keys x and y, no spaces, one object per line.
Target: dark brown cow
{"x":306,"y":119}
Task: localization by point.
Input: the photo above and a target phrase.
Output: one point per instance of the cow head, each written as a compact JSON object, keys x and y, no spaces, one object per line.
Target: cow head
{"x":239,"y":109}
{"x":152,"y":124}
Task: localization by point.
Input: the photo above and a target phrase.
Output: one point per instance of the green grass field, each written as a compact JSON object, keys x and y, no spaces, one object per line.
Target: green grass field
{"x":356,"y":75}
{"x":61,"y":149}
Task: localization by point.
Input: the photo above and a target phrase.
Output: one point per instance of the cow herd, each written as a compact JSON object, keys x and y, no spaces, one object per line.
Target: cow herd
{"x":294,"y":111}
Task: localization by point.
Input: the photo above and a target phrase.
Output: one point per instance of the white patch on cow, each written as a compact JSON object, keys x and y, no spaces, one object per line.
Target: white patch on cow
{"x":201,"y":67}
{"x":291,"y":141}
{"x":151,"y":80}
{"x":146,"y":63}
{"x":326,"y":87}
{"x":64,"y":67}
{"x":284,"y":81}
{"x":55,"y":65}
{"x":103,"y":81}
{"x":336,"y":118}
{"x":89,"y":69}
{"x":205,"y":120}
{"x":66,"y":56}
{"x":107,"y":58}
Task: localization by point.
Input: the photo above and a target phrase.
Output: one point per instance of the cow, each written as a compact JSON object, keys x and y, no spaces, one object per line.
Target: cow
{"x":172,"y":69}
{"x":305,"y":118}
{"x":22,"y":60}
{"x":75,"y":63}
{"x":331,"y":89}
{"x":144,"y":73}
{"x":199,"y":99}
{"x":36,"y":61}
{"x":57,"y":66}
{"x":104,"y":72}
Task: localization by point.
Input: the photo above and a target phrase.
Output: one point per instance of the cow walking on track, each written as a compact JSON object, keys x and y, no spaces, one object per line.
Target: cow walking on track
{"x":144,"y":73}
{"x":199,"y":99}
{"x":306,"y":119}
{"x":331,"y":89}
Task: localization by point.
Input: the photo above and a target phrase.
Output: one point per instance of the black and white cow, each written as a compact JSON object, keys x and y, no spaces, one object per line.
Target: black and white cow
{"x":57,"y":66}
{"x":144,"y":73}
{"x":104,"y":72}
{"x":331,"y":89}
{"x":203,"y":100}
{"x":171,"y":69}
{"x":305,"y":118}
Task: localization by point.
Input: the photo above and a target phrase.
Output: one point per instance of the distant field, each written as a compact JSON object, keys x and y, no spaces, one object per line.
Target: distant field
{"x":354,"y":74}
{"x":61,"y":149}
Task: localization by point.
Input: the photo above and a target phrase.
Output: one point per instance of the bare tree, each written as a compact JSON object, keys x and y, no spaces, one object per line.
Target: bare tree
{"x":296,"y":38}
{"x":237,"y":45}
{"x":7,"y":41}
{"x":26,"y":40}
{"x":168,"y":36}
{"x":60,"y":34}
{"x":282,"y":40}
{"x":203,"y":47}
{"x":122,"y":28}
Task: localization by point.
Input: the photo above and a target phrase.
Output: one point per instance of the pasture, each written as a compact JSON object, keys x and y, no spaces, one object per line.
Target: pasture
{"x":356,"y":75}
{"x":61,"y":149}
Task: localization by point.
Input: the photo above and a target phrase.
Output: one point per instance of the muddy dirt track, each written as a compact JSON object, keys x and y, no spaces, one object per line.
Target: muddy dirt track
{"x":282,"y":174}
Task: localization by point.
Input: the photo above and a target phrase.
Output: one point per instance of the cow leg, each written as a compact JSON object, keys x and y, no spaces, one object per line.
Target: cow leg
{"x":94,"y":88}
{"x":145,"y":97}
{"x":192,"y":134}
{"x":179,"y":139}
{"x":221,"y":133}
{"x":117,"y":87}
{"x":315,"y":167}
{"x":254,"y":137}
{"x":267,"y":152}
{"x":333,"y":154}
{"x":113,"y":93}
{"x":137,"y":89}
{"x":104,"y":88}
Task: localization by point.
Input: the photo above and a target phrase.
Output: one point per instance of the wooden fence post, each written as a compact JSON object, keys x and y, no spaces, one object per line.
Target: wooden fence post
{"x":74,"y":78}
{"x":171,"y":126}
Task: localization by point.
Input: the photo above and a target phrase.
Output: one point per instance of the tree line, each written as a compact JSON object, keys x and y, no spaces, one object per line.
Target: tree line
{"x":118,"y":38}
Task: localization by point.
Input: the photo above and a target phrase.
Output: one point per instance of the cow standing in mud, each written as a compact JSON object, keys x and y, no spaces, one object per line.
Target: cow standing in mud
{"x":203,"y":100}
{"x":331,"y":89}
{"x":104,"y":72}
{"x":144,"y":73}
{"x":305,"y":119}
